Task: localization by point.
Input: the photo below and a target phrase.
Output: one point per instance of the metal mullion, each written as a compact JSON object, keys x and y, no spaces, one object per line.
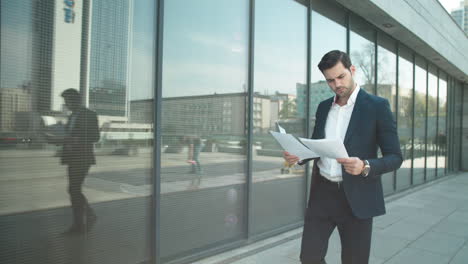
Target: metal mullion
{"x":426,"y":121}
{"x":308,"y":92}
{"x":376,"y":57}
{"x":450,"y":107}
{"x":157,"y":132}
{"x":250,"y":100}
{"x":437,"y":124}
{"x":413,"y":117}
{"x":348,"y":34}
{"x":447,"y":118}
{"x":461,"y":126}
{"x":397,"y":112}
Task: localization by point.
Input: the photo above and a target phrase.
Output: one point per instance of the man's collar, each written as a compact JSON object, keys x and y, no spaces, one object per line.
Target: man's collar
{"x":352,"y":97}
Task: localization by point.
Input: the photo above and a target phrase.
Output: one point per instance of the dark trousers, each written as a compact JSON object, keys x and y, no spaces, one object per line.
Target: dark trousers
{"x":328,"y":209}
{"x":81,"y":209}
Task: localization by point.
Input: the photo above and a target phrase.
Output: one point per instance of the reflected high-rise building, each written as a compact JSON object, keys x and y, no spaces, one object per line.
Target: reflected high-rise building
{"x":460,"y":15}
{"x":110,"y":40}
{"x":57,"y":45}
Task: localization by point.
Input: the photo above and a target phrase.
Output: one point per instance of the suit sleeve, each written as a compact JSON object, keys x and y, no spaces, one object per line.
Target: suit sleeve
{"x":387,"y":139}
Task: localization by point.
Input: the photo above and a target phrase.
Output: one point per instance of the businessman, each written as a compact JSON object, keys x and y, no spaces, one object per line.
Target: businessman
{"x":82,"y":132}
{"x":346,"y":193}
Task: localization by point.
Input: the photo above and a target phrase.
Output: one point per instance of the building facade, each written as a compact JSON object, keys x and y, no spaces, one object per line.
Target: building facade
{"x":175,"y":80}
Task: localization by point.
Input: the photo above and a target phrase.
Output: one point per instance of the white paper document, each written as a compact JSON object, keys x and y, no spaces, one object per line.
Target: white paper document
{"x":293,"y":146}
{"x":280,"y":129}
{"x":330,"y":148}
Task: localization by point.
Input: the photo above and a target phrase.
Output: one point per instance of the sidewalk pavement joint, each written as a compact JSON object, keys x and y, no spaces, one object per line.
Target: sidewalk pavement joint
{"x":423,"y":225}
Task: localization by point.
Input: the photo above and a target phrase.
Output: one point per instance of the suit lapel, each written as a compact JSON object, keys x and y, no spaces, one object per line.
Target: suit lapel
{"x":356,"y":115}
{"x":322,"y":119}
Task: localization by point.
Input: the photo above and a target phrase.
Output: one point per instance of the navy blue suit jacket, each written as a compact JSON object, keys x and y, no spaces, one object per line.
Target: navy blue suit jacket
{"x":371,"y":126}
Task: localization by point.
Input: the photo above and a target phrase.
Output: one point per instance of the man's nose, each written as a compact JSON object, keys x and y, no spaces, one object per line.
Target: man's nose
{"x":338,"y":82}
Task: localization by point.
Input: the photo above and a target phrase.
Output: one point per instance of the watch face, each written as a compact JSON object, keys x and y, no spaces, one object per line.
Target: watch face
{"x":366,"y":169}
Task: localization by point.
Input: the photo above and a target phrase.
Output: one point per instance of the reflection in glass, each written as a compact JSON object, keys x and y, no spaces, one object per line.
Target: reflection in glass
{"x":362,"y":52}
{"x":203,"y":125}
{"x":431,"y":123}
{"x":48,"y":47}
{"x":405,"y":115}
{"x":327,"y":35}
{"x":280,"y":94}
{"x":420,"y":107}
{"x":441,"y":126}
{"x":386,"y":87}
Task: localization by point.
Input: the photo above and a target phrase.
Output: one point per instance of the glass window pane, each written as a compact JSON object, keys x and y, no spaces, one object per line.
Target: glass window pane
{"x":441,"y":126}
{"x":420,"y":107}
{"x":431,"y":123}
{"x":328,"y":33}
{"x":76,"y":175}
{"x":203,"y":125}
{"x":386,"y":87}
{"x":405,"y":115}
{"x":362,"y":52}
{"x":279,"y":97}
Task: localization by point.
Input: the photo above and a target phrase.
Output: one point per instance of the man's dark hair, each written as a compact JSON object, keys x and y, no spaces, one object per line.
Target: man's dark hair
{"x":332,"y":58}
{"x":72,"y":95}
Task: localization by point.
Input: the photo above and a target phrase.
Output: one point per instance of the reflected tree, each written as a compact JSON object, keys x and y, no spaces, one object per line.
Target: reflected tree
{"x":288,"y":109}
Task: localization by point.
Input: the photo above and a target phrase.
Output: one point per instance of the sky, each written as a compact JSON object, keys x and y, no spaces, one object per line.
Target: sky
{"x":450,"y":4}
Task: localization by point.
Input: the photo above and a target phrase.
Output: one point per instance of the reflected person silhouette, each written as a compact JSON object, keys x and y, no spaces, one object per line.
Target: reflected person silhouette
{"x":195,"y":146}
{"x":81,"y":132}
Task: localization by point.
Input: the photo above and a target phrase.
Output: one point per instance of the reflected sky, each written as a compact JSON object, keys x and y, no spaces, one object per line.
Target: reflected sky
{"x":16,"y":43}
{"x":205,"y":47}
{"x":280,"y":46}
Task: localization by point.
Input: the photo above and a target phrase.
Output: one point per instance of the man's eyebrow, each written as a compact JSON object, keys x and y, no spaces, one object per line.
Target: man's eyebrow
{"x":339,"y":76}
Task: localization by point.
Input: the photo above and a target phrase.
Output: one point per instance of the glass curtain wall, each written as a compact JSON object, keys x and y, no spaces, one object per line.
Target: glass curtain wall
{"x":405,"y":115}
{"x":431,"y":123}
{"x":280,"y":94}
{"x":386,"y":87}
{"x":442,"y":126}
{"x":328,"y":23}
{"x":204,"y":95}
{"x":362,"y":51}
{"x":456,"y":125}
{"x":420,"y":108}
{"x":66,"y":192}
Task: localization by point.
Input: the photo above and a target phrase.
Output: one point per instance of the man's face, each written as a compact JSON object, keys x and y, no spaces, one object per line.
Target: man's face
{"x":340,"y":80}
{"x":69,"y":104}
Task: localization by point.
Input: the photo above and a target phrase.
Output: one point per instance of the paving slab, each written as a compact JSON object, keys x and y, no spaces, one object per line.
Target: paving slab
{"x":439,"y":243}
{"x":418,"y":256}
{"x":428,"y":225}
{"x":461,"y":257}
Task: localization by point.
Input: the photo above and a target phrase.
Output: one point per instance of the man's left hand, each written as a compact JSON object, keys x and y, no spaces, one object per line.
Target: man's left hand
{"x":352,"y":165}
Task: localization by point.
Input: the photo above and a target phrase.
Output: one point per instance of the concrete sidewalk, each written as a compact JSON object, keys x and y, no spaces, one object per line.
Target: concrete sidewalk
{"x":425,"y":225}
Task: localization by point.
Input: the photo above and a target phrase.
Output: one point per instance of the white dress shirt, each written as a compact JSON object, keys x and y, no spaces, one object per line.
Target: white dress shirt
{"x":335,"y":128}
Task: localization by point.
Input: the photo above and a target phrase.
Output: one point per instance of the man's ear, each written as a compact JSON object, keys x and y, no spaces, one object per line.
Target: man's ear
{"x":352,"y":69}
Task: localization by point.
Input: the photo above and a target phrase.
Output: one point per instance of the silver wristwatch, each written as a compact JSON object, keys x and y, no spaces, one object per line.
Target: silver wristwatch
{"x":366,"y":169}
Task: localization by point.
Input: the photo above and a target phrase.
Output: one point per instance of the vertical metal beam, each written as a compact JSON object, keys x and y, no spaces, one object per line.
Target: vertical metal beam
{"x":308,"y":91}
{"x":85,"y":51}
{"x":446,"y":122}
{"x":250,"y":102}
{"x":413,"y":116}
{"x":460,"y":159}
{"x":157,"y":132}
{"x":426,"y":121}
{"x":437,"y":124}
{"x":376,"y":60}
{"x":397,"y":103}
{"x":348,"y":34}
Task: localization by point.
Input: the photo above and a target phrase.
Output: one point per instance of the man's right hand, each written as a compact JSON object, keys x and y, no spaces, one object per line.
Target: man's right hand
{"x":290,"y":158}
